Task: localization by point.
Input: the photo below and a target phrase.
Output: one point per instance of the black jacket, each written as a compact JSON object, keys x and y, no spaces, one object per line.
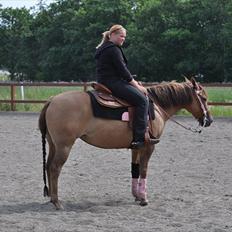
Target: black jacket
{"x":111,"y":63}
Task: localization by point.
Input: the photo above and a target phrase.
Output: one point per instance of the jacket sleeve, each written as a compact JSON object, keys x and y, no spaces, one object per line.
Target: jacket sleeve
{"x":120,"y":64}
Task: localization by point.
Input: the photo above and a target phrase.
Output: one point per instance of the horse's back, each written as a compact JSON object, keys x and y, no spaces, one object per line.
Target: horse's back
{"x":71,"y":102}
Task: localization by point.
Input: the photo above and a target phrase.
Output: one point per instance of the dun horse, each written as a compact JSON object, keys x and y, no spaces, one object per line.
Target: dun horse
{"x":69,"y":116}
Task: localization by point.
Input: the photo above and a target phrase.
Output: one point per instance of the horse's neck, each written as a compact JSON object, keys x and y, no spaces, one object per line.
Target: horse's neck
{"x":167,"y":113}
{"x":161,"y":116}
{"x":173,"y":96}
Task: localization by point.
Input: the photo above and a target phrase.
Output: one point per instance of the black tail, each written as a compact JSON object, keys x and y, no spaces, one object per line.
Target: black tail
{"x":43,"y":130}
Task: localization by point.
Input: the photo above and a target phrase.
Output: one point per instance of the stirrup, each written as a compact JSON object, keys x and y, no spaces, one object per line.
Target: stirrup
{"x":153,"y":141}
{"x":137,"y":144}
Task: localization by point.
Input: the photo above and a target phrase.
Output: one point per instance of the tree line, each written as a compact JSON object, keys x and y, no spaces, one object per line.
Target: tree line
{"x":166,"y":39}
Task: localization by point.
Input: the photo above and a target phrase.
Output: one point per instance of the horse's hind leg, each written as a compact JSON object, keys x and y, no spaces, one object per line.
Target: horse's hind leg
{"x":61,"y":155}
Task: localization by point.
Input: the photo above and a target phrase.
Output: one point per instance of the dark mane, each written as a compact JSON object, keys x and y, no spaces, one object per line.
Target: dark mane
{"x":171,"y":94}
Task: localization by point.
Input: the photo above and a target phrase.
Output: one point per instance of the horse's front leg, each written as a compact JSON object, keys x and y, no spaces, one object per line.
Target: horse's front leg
{"x":135,"y":173}
{"x":142,"y":186}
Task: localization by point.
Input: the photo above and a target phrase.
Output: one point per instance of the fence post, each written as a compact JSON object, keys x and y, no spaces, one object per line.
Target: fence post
{"x":85,"y":86}
{"x":13,"y":96}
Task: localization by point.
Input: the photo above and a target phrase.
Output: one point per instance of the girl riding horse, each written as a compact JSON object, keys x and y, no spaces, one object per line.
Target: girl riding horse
{"x":69,"y":116}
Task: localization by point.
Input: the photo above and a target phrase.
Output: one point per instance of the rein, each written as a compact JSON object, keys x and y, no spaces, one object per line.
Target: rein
{"x":198,"y":129}
{"x":194,"y":130}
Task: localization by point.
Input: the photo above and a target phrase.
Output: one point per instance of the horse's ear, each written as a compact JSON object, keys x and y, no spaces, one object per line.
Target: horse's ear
{"x":186,"y":79}
{"x":194,"y":83}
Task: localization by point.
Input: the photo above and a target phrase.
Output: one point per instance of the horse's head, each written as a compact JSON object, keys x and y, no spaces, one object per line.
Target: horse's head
{"x":199,"y":107}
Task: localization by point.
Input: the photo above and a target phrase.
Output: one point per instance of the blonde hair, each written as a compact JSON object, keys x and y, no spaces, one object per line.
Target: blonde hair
{"x":106,"y":35}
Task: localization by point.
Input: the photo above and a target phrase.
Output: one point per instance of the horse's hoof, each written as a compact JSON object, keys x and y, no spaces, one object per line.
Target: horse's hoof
{"x":137,"y":199}
{"x":58,"y":205}
{"x":143,"y":202}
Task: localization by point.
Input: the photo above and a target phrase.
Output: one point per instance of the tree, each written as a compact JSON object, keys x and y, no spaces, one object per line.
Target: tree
{"x":14,"y":30}
{"x":166,"y":38}
{"x":68,"y":32}
{"x":182,"y":37}
{"x":206,"y":20}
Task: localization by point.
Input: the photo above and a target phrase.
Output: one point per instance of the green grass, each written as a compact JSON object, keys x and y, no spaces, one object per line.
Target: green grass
{"x":215,"y":94}
{"x":31,"y":93}
{"x":216,"y":111}
{"x":222,"y":94}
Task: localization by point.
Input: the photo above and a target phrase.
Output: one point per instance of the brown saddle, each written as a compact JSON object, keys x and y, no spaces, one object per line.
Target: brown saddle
{"x":104,"y":97}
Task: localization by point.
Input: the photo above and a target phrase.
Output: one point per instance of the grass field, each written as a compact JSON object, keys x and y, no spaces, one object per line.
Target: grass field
{"x":31,"y":93}
{"x":222,"y":94}
{"x":216,"y":94}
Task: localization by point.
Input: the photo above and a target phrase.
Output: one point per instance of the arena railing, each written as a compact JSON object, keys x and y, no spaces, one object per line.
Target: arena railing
{"x":85,"y":85}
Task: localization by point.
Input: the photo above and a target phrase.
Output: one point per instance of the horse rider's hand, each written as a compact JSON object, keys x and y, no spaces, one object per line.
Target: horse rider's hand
{"x":138,"y":85}
{"x":143,"y":89}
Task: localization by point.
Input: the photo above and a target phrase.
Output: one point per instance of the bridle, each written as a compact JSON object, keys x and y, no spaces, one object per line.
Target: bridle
{"x":198,"y":129}
{"x":203,"y":107}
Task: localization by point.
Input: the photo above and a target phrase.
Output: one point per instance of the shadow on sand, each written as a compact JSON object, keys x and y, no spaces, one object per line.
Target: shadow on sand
{"x":84,"y":206}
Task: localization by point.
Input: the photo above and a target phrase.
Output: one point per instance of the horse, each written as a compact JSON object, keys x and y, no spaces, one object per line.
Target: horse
{"x":69,"y":116}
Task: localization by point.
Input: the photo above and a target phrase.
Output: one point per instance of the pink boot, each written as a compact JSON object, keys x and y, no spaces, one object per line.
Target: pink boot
{"x":142,"y":191}
{"x":134,"y":187}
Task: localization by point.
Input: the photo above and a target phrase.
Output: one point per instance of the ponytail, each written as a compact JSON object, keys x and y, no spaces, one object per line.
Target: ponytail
{"x":105,"y":38}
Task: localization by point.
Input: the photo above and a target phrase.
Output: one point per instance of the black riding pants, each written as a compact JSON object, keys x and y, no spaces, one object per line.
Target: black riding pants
{"x":122,"y":89}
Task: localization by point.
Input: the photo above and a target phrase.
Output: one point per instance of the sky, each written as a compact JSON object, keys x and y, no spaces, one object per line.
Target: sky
{"x":22,"y":3}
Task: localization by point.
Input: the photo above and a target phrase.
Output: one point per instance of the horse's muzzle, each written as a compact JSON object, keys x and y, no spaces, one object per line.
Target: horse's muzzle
{"x":206,"y":121}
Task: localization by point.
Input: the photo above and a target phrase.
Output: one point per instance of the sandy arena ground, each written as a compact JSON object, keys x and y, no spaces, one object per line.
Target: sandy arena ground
{"x":189,"y":183}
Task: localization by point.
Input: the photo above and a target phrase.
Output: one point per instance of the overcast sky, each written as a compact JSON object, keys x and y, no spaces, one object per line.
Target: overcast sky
{"x":22,"y":3}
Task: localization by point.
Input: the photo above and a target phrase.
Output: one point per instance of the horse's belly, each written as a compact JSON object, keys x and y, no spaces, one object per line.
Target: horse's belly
{"x":109,"y":134}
